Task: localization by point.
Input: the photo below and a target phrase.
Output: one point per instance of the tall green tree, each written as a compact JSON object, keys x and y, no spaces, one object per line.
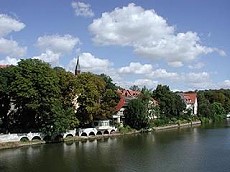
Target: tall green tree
{"x":170,"y":104}
{"x":136,"y":114}
{"x":7,"y":76}
{"x":90,"y":88}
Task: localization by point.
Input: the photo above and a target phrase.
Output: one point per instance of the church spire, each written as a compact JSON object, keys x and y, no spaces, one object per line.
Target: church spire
{"x":77,"y":68}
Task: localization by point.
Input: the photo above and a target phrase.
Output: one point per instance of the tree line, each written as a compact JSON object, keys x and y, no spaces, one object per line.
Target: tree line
{"x":36,"y":97}
{"x":214,"y":104}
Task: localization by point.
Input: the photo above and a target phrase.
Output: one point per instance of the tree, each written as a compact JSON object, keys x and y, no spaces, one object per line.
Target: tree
{"x":109,"y":98}
{"x":136,"y":114}
{"x":97,"y":97}
{"x":134,"y":88}
{"x":7,"y":76}
{"x":40,"y":96}
{"x":90,"y":88}
{"x":213,"y":104}
{"x":217,"y":111}
{"x":170,"y":104}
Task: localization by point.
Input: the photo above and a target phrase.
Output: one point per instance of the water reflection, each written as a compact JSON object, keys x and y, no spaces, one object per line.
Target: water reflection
{"x":187,"y":149}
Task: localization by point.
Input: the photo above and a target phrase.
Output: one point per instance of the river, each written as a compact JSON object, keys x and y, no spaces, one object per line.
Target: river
{"x":198,"y":149}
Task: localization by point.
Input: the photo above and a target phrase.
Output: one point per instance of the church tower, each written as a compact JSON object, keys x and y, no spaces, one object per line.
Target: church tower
{"x":77,"y":68}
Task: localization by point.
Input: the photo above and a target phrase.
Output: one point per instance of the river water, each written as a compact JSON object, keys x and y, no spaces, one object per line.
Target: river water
{"x":198,"y":149}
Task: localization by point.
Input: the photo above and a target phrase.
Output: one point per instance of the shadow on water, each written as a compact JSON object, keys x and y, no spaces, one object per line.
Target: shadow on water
{"x":222,"y":124}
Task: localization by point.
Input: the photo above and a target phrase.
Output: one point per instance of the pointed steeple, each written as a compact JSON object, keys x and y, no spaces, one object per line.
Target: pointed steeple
{"x":77,"y":68}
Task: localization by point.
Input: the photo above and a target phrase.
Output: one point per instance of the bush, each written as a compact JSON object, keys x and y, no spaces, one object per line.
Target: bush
{"x":125,"y":129}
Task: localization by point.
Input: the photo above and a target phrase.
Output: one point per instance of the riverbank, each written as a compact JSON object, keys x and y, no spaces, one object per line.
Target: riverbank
{"x":175,"y":126}
{"x":8,"y":145}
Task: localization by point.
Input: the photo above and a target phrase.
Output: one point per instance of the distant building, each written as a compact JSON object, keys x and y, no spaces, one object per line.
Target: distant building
{"x":190,"y":99}
{"x":77,"y":68}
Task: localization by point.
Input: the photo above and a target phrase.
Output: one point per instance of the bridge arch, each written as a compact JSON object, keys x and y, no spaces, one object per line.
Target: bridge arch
{"x":36,"y":138}
{"x":83,"y":134}
{"x":69,"y":135}
{"x":24,"y":139}
{"x":106,"y":132}
{"x":99,"y":133}
{"x":91,"y":133}
{"x":112,"y":131}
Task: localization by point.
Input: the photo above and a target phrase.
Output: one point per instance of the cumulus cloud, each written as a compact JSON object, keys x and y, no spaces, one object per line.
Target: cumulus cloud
{"x":136,"y":68}
{"x":145,"y":82}
{"x":225,"y":84}
{"x":8,"y":25}
{"x":163,"y":74}
{"x":11,"y":48}
{"x":147,"y":70}
{"x":149,"y":34}
{"x":49,"y":57}
{"x":82,"y":9}
{"x":57,"y":43}
{"x":89,"y":62}
{"x":9,"y":61}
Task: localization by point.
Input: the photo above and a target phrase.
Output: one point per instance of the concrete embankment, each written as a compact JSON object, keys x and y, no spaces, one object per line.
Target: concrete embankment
{"x":175,"y":126}
{"x":6,"y":145}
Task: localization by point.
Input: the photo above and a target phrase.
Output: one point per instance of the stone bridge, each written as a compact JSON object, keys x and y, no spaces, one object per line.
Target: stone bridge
{"x":32,"y":136}
{"x":82,"y":132}
{"x":95,"y":131}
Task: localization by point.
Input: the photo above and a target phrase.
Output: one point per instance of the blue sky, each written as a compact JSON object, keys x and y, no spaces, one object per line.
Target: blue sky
{"x":183,"y":44}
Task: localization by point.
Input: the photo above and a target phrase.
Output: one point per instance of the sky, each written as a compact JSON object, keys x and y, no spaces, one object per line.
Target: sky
{"x":182,"y":44}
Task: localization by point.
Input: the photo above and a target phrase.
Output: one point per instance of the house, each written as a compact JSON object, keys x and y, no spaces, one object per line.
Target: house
{"x":190,"y":99}
{"x":125,"y":97}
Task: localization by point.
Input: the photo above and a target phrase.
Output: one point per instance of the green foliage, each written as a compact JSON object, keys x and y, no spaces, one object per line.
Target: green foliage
{"x":126,"y":129}
{"x":135,"y":88}
{"x":40,"y":96}
{"x":136,"y":114}
{"x":7,"y":76}
{"x":170,"y":104}
{"x":213,"y":104}
{"x":97,"y":97}
{"x":161,"y":122}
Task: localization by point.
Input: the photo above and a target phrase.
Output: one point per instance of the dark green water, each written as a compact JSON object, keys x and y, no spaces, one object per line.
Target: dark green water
{"x":190,"y":149}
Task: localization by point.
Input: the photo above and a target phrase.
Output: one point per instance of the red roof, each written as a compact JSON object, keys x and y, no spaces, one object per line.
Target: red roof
{"x":190,"y":98}
{"x":120,"y":104}
{"x":124,"y":96}
{"x":128,"y":93}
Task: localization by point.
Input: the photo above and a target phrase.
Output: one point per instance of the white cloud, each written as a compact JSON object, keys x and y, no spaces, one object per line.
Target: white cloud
{"x":136,"y":68}
{"x":175,"y":64}
{"x":9,"y":61}
{"x":149,"y":34}
{"x":11,"y":48}
{"x":225,"y":84}
{"x":89,"y":62}
{"x":197,"y":77}
{"x":145,"y":82}
{"x":198,"y":65}
{"x":57,"y":43}
{"x":163,"y":74}
{"x":49,"y":57}
{"x":8,"y":24}
{"x":82,"y":9}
